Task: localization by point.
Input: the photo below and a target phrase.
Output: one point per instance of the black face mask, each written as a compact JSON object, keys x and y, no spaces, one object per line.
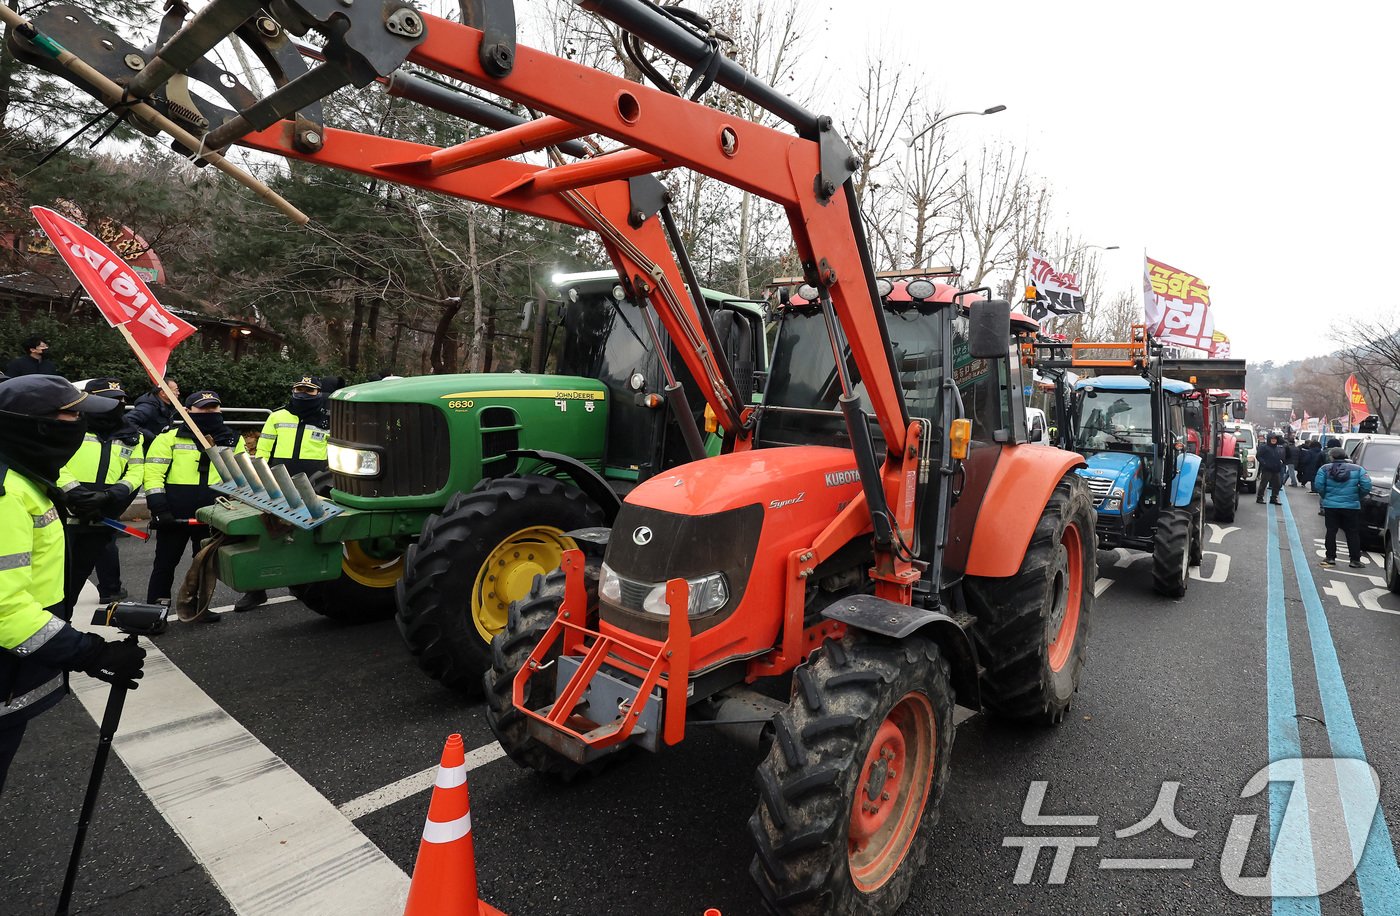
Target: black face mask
{"x":39,"y":446}
{"x":211,"y":424}
{"x":105,"y":424}
{"x":306,"y":406}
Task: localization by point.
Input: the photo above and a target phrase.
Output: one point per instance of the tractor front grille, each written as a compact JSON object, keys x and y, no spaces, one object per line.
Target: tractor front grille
{"x":1099,"y":488}
{"x":415,"y":453}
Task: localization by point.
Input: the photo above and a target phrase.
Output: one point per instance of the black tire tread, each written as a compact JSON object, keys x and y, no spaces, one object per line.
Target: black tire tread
{"x":1010,"y":633}
{"x":801,"y":823}
{"x":434,"y":614}
{"x":1171,"y":540}
{"x":528,"y":621}
{"x":1226,"y":497}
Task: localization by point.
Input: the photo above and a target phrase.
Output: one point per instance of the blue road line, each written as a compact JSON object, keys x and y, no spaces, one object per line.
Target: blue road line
{"x":1284,"y":742}
{"x":1377,"y":874}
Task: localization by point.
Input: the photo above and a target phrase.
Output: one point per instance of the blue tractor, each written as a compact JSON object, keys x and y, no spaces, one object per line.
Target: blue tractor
{"x":1147,"y":485}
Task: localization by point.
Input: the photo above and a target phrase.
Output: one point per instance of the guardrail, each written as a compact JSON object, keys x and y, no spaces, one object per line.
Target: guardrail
{"x":257,"y":416}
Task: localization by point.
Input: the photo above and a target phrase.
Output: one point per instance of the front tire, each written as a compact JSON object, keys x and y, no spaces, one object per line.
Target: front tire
{"x":473,"y":559}
{"x":1226,"y":496}
{"x":1032,"y":629}
{"x":1171,"y":551}
{"x":851,"y":786}
{"x":364,"y":591}
{"x":528,"y":621}
{"x":1392,"y":568}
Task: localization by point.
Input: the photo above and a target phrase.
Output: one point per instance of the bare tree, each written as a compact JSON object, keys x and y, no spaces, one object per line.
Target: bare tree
{"x":993,"y":198}
{"x":1371,"y":351}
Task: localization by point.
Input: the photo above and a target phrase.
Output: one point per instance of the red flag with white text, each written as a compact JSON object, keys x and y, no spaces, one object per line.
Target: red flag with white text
{"x":119,"y":292}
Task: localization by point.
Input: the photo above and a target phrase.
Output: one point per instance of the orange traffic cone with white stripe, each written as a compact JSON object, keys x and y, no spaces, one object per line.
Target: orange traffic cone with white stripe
{"x":444,"y":877}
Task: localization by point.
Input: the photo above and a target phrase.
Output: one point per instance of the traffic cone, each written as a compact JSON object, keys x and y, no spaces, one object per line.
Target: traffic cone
{"x":444,"y":877}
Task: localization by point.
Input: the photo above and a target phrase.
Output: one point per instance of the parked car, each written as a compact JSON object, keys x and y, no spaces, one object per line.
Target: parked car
{"x":1245,"y":441}
{"x":1379,"y":455}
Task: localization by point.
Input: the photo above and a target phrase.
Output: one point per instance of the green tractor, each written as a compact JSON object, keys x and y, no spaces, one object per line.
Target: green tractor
{"x":452,"y":492}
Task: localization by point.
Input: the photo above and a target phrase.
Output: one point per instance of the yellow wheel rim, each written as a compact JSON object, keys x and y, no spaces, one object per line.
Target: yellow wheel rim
{"x":508,"y":572}
{"x":371,"y":571}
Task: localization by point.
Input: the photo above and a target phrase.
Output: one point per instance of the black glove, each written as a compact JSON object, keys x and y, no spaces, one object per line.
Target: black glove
{"x":117,"y":663}
{"x":115,"y":500}
{"x":85,"y":504}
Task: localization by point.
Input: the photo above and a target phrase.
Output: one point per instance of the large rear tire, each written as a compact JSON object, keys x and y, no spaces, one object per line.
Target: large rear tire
{"x":1032,"y":628}
{"x":850,"y":789}
{"x":1171,"y":551}
{"x":527,"y":623}
{"x":1226,"y":496}
{"x":364,"y":591}
{"x":472,"y":560}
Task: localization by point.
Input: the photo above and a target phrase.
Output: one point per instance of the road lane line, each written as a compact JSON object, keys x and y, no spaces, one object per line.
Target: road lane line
{"x":409,"y":786}
{"x":1377,"y":873}
{"x":1284,"y":741}
{"x":280,"y":599}
{"x":268,"y":839}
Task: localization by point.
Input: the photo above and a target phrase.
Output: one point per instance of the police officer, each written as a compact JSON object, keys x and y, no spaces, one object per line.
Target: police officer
{"x":99,"y":482}
{"x":294,"y":435}
{"x":177,"y":476}
{"x":41,"y":426}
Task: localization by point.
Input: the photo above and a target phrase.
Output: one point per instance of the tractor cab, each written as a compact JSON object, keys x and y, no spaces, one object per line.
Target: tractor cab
{"x":599,"y":332}
{"x":1142,"y":436}
{"x":1208,"y":407}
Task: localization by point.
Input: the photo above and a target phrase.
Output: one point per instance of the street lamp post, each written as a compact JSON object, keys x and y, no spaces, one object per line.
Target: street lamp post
{"x":937,"y":121}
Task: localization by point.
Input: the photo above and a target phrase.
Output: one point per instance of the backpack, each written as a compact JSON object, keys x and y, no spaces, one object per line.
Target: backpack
{"x":1339,"y":472}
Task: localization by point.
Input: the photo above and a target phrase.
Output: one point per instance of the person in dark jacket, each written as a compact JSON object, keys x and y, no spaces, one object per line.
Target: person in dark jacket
{"x":1290,"y":463}
{"x":153,"y":413}
{"x":33,"y":359}
{"x":1309,"y":460}
{"x":1341,"y":485}
{"x":1270,"y":457}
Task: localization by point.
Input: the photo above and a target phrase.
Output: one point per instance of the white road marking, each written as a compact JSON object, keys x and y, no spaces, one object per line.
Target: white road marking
{"x":1341,"y":591}
{"x":409,"y":786}
{"x":269,"y":840}
{"x":1101,"y":585}
{"x":1220,"y":569}
{"x":280,"y":599}
{"x":1126,"y":557}
{"x":1370,"y":600}
{"x":1218,"y":532}
{"x":87,"y":601}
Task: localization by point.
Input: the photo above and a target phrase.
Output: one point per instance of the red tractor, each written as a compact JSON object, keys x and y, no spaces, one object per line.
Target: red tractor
{"x":1207,"y":412}
{"x":876,"y":543}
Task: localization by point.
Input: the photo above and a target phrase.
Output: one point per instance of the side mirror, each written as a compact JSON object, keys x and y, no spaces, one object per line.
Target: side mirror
{"x":1037,"y":433}
{"x":989,"y":329}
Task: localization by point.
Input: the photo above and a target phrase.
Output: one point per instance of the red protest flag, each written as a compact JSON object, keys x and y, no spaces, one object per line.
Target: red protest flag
{"x":119,"y":292}
{"x":1357,"y":399}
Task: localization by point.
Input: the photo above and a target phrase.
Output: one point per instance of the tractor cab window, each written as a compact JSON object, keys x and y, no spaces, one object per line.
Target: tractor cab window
{"x":1194,"y":419}
{"x":604,"y":339}
{"x":1118,"y":421}
{"x":804,"y":387}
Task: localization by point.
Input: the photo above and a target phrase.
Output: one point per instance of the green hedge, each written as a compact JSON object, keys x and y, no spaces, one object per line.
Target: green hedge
{"x":86,"y":350}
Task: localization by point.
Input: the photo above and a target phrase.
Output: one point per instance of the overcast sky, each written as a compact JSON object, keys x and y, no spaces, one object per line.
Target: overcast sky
{"x":1250,"y":144}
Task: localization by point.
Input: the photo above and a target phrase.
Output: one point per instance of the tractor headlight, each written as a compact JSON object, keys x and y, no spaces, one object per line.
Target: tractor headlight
{"x":1115,"y":499}
{"x":356,"y":462}
{"x":707,"y":593}
{"x":609,"y":585}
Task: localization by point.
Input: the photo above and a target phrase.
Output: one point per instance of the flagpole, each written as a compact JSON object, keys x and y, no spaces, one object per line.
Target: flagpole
{"x":163,"y":385}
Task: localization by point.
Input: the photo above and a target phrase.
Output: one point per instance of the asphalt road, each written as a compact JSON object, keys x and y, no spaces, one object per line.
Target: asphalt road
{"x":1183,"y":701}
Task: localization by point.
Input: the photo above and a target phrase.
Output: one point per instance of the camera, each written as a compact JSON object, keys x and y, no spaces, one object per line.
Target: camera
{"x":133,"y":617}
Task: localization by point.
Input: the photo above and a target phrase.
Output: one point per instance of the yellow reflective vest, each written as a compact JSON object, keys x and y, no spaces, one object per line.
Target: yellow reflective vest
{"x":104,"y":463}
{"x":286,"y":436}
{"x":31,"y":582}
